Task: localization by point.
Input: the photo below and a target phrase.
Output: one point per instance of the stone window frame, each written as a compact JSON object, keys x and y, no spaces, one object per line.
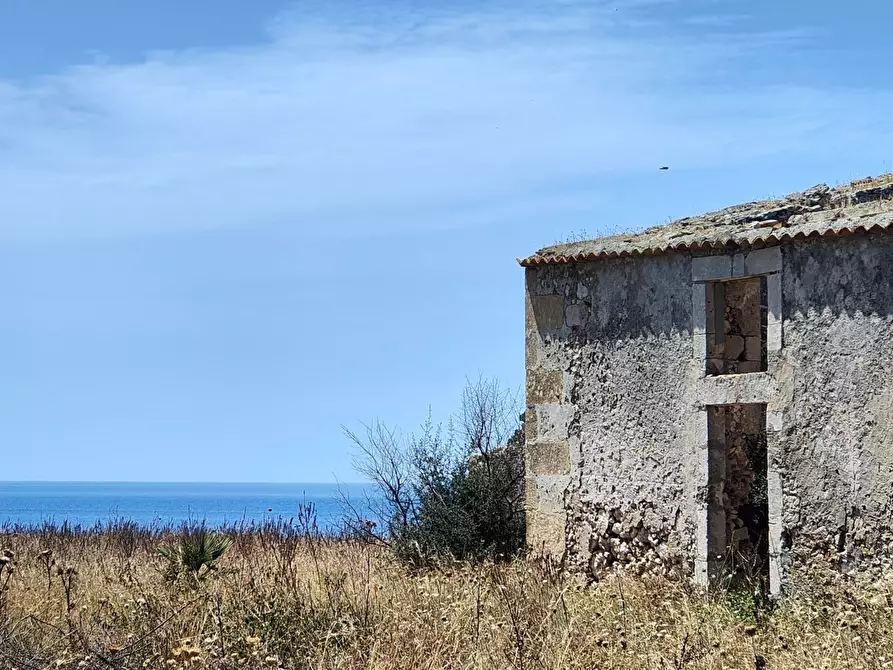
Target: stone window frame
{"x":740,"y":265}
{"x":732,"y":389}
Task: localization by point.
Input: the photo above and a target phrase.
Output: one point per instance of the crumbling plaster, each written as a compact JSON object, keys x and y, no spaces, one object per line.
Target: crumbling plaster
{"x":622,"y":419}
{"x":835,"y":451}
{"x":617,"y":396}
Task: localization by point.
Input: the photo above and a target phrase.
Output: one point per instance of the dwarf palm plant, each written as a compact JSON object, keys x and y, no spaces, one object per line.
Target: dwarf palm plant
{"x":195,"y":553}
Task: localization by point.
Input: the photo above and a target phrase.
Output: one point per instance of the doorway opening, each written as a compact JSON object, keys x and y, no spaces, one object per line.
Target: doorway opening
{"x":738,"y":501}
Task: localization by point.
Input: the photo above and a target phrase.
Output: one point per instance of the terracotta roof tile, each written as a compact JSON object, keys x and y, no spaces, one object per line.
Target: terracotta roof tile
{"x":858,"y":208}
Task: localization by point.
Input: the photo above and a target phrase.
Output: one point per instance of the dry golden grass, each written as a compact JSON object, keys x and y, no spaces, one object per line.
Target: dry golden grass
{"x":283,"y":600}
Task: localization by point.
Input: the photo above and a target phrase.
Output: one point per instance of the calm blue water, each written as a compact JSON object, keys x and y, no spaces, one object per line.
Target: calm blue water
{"x":33,"y":503}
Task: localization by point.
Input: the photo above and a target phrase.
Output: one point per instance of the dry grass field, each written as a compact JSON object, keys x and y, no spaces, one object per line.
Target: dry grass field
{"x":282,"y":599}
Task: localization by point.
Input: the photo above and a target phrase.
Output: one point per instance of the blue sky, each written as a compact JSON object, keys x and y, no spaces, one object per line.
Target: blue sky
{"x":226,"y":228}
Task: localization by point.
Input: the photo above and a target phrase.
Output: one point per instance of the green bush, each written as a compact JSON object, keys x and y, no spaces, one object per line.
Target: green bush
{"x":195,"y":553}
{"x":448,"y":493}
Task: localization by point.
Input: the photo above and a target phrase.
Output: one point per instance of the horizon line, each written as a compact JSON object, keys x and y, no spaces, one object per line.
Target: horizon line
{"x":135,"y":481}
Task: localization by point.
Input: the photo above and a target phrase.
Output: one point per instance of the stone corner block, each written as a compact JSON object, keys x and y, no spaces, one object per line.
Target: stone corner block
{"x":709,"y":268}
{"x":547,"y":312}
{"x":544,"y":386}
{"x":531,"y":430}
{"x":546,"y":534}
{"x":547,"y":458}
{"x":531,"y":350}
{"x":553,"y":422}
{"x":531,"y":495}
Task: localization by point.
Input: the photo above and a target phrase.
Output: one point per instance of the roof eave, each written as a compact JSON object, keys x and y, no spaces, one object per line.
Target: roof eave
{"x":776,"y":237}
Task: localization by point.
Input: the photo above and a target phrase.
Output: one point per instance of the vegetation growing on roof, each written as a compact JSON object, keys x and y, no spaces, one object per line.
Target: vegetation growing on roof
{"x":863,"y":205}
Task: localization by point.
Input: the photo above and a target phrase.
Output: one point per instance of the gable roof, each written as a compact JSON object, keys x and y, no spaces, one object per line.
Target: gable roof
{"x":861,"y":207}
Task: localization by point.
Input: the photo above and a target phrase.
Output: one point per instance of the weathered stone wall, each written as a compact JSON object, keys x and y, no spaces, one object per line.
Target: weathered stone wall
{"x":836,"y":388}
{"x":609,"y":427}
{"x":618,"y":446}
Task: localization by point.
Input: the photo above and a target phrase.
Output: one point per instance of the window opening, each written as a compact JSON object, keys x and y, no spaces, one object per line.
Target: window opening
{"x":737,"y":317}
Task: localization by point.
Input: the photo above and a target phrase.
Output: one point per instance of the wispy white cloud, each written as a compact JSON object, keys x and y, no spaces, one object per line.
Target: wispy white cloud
{"x":372,"y":123}
{"x":716,"y":20}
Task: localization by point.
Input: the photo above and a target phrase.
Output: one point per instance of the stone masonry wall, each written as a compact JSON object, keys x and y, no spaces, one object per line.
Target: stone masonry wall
{"x":618,"y":395}
{"x":609,"y":350}
{"x":836,"y":388}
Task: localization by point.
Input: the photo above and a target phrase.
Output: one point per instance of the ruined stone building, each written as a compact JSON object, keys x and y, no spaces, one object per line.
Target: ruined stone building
{"x":715,"y":395}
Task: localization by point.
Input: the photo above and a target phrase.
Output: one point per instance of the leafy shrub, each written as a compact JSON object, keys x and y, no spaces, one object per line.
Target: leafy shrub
{"x":448,"y":493}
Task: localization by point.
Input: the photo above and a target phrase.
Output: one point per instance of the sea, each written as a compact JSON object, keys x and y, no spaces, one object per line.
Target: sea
{"x":158,"y":504}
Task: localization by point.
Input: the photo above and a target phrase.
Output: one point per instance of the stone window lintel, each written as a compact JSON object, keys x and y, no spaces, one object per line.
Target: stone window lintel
{"x":739,"y":265}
